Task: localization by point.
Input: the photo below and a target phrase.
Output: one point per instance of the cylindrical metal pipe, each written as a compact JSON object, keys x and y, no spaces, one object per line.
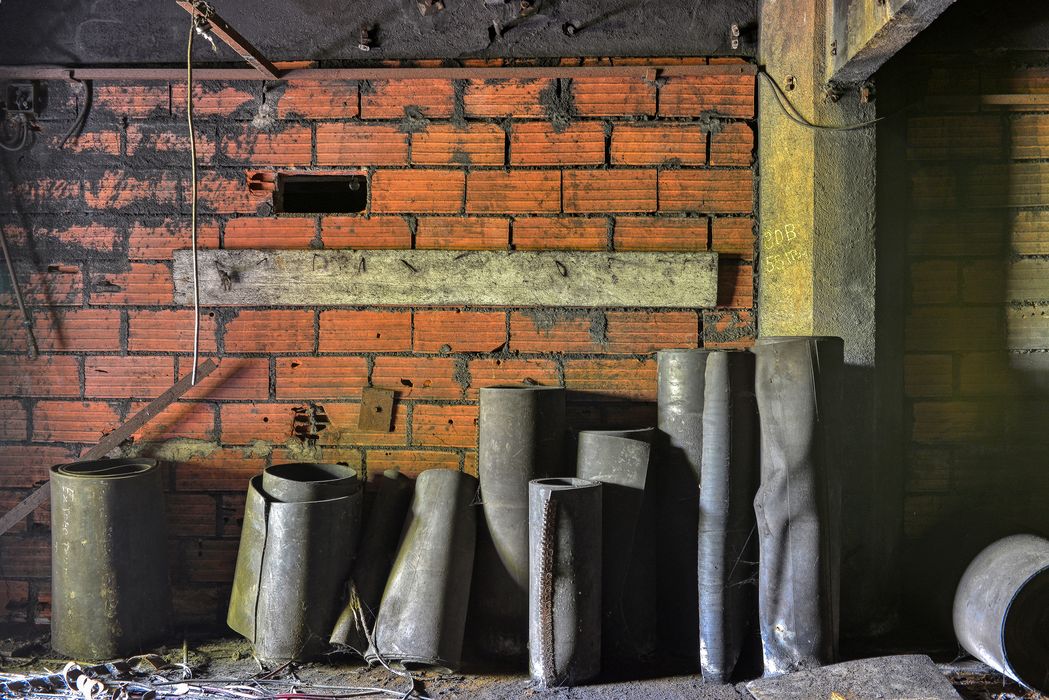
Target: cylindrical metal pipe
{"x":564,"y":591}
{"x":375,"y":556}
{"x":727,"y":539}
{"x":619,"y":460}
{"x":521,"y":436}
{"x":301,"y":524}
{"x":110,"y":594}
{"x":798,"y":506}
{"x":1001,"y":609}
{"x":676,"y":480}
{"x":422,"y":617}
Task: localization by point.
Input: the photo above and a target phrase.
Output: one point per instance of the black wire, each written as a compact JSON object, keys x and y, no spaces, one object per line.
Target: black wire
{"x":81,"y":118}
{"x":798,"y":118}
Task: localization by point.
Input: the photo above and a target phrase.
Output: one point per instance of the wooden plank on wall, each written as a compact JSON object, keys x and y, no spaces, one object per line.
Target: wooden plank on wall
{"x":448,"y":278}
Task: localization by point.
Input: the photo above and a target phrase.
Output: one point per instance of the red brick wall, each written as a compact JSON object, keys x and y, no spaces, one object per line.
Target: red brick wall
{"x":590,"y":164}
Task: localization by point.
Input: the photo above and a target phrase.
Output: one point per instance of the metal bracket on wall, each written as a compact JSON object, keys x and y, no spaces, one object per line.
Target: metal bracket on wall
{"x":228,"y":34}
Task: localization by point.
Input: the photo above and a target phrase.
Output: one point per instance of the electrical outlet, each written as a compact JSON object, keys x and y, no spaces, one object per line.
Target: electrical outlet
{"x":21,"y":98}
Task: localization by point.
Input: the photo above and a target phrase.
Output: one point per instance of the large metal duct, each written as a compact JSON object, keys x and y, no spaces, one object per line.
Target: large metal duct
{"x":110,"y":595}
{"x":521,"y":437}
{"x":727,"y":537}
{"x":1001,"y":609}
{"x":301,"y":525}
{"x":619,"y":460}
{"x":675,"y":479}
{"x":375,"y":555}
{"x":798,"y":506}
{"x":564,"y":592}
{"x":422,"y":617}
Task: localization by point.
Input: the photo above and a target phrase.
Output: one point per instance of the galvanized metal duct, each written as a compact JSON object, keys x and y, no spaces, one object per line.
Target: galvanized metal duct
{"x":619,"y":461}
{"x":1001,"y":609}
{"x":422,"y":617}
{"x":108,"y":545}
{"x":727,"y":538}
{"x":564,"y":591}
{"x":301,"y":524}
{"x":681,"y":382}
{"x":521,"y":437}
{"x":375,"y":557}
{"x":798,"y":506}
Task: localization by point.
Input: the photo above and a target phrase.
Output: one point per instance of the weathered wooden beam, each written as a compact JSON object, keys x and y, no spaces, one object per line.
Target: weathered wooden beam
{"x":864,"y":34}
{"x":448,"y":278}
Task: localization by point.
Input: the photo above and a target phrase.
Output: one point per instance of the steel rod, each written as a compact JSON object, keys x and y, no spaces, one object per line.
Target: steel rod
{"x":27,"y":322}
{"x":233,"y":39}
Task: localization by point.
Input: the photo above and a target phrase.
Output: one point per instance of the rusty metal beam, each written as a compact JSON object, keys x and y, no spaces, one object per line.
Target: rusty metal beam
{"x":228,"y":34}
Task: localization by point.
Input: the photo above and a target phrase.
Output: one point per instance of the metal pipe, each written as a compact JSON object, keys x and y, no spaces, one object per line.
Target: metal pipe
{"x":564,"y":591}
{"x":422,"y":617}
{"x":110,"y":595}
{"x":619,"y":461}
{"x":727,"y":538}
{"x":375,"y":557}
{"x":297,"y":544}
{"x":798,"y":506}
{"x":681,"y":382}
{"x":27,"y":322}
{"x":1001,"y":609}
{"x":521,"y":436}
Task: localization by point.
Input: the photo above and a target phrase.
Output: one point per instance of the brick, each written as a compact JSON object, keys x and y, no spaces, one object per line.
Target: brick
{"x":157,"y":241}
{"x":557,"y":331}
{"x":600,"y":191}
{"x":468,"y":145}
{"x":171,"y":142}
{"x":54,"y":376}
{"x":316,"y":99}
{"x":635,"y":332}
{"x":25,"y":466}
{"x":658,"y":144}
{"x":933,"y":187}
{"x":128,"y":376}
{"x":288,"y":146}
{"x":365,"y":331}
{"x":506,"y":98}
{"x":735,"y":283}
{"x":995,"y":373}
{"x":934,"y":282}
{"x":470,"y":462}
{"x":733,"y":236}
{"x":361,"y":144}
{"x":1028,"y":233}
{"x":728,"y":329}
{"x":608,"y":379}
{"x":215,"y":99}
{"x":462,"y":233}
{"x":93,"y":238}
{"x":143,"y":285}
{"x":244,"y":423}
{"x":648,"y":233}
{"x":13,"y":420}
{"x":169,"y":330}
{"x":541,"y":143}
{"x":953,"y":421}
{"x":394,"y":99}
{"x":191,"y":515}
{"x":95,"y":142}
{"x":320,"y":377}
{"x":732,"y":145}
{"x":135,"y":101}
{"x":71,"y":330}
{"x":560,"y":233}
{"x":226,"y":194}
{"x":444,"y":426}
{"x":970,"y":136}
{"x":14,"y":601}
{"x":708,"y":191}
{"x":941,"y":328}
{"x":115,"y":189}
{"x":234,"y":378}
{"x":1027,"y":328}
{"x":267,"y":233}
{"x":209,"y":561}
{"x":220,"y":470}
{"x":418,"y":191}
{"x":958,"y":234}
{"x":231,"y":513}
{"x":73,"y":421}
{"x":26,"y":557}
{"x":270,"y":331}
{"x":411,"y":463}
{"x":926,"y":376}
{"x":459,"y":331}
{"x":365,"y":233}
{"x":329,"y":454}
{"x":45,"y":195}
{"x":1024,"y":280}
{"x":694,"y":95}
{"x":194,"y":421}
{"x":342,"y":430}
{"x":418,"y":377}
{"x":494,"y":372}
{"x":928,"y":471}
{"x":59,"y":285}
{"x":984,"y":282}
{"x":513,"y":192}
{"x":613,"y":97}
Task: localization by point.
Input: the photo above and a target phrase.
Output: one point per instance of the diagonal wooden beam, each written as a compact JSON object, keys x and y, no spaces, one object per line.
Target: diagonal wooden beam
{"x":228,"y":34}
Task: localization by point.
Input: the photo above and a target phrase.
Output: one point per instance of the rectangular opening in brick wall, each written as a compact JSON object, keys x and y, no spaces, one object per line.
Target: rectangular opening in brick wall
{"x":320,"y":194}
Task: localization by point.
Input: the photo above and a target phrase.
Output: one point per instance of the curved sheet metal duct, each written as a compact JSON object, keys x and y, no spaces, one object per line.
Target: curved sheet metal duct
{"x":301,"y":523}
{"x":108,"y":543}
{"x":798,"y":506}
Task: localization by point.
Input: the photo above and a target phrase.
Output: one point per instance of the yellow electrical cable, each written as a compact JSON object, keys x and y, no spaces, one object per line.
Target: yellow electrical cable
{"x":193,"y":194}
